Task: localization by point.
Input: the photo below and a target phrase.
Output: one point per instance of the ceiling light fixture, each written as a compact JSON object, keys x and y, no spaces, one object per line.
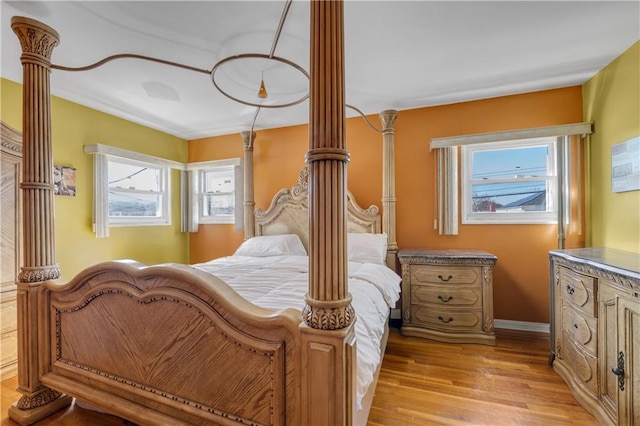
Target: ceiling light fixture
{"x":262,"y":93}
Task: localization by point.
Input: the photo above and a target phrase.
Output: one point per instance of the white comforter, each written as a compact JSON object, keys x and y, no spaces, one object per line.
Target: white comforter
{"x":278,"y":282}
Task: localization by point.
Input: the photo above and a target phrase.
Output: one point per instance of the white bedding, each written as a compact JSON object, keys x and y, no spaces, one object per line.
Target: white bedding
{"x":278,"y":282}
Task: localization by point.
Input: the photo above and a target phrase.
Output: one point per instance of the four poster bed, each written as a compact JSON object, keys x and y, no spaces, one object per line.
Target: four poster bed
{"x":216,"y":343}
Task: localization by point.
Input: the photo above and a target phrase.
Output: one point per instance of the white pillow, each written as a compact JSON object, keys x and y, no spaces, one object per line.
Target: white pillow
{"x":272,"y":245}
{"x":367,"y":248}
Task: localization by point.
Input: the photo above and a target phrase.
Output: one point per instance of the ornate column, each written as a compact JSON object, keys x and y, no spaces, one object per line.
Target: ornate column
{"x":388,"y":119}
{"x":37,"y":41}
{"x":328,"y":339}
{"x":248,"y":137}
{"x":328,"y":301}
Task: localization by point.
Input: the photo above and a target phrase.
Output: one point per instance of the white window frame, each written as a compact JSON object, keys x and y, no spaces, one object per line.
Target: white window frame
{"x":196,"y":184}
{"x":549,"y":216}
{"x":164,"y":192}
{"x":103,"y":154}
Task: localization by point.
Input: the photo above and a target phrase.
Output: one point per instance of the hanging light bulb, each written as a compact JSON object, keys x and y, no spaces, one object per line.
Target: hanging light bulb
{"x":262,"y":93}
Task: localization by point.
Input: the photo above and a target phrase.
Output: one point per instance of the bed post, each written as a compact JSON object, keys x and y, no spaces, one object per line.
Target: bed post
{"x":388,"y":119}
{"x":37,"y":41}
{"x":327,"y":335}
{"x":248,"y":137}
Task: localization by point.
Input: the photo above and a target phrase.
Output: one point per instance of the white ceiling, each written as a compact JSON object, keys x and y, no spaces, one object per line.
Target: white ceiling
{"x":398,"y":54}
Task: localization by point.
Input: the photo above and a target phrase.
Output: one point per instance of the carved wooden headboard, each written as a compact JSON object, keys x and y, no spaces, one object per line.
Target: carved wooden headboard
{"x":289,"y":213}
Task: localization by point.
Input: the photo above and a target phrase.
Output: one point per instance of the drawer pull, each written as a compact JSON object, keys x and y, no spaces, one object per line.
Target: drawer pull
{"x":619,"y":371}
{"x":443,"y":320}
{"x":442,"y":299}
{"x":445,"y":279}
{"x":570,"y":290}
{"x":575,"y":326}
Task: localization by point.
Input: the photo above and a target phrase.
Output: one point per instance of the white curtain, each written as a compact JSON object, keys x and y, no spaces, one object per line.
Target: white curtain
{"x":568,"y":173}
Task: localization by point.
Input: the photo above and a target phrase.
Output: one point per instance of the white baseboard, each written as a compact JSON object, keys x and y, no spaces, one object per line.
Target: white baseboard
{"x":539,"y":327}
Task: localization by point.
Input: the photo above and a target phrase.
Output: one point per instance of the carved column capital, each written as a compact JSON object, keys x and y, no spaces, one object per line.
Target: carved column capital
{"x":248,"y":138}
{"x":37,"y":40}
{"x":388,"y":119}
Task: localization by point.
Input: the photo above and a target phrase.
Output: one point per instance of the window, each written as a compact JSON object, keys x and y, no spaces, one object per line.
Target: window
{"x":130,"y":189}
{"x":138,"y":193}
{"x":510,"y":182}
{"x":216,"y":193}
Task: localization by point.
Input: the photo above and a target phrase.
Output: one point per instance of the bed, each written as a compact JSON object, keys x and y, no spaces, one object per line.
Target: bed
{"x":177,"y":321}
{"x":140,"y":341}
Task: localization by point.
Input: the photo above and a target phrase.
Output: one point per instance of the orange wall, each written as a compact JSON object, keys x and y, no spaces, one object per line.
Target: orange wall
{"x":521,"y":282}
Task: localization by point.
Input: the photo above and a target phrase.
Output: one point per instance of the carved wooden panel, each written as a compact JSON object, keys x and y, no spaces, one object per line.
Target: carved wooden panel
{"x":187,"y":346}
{"x":289,"y":213}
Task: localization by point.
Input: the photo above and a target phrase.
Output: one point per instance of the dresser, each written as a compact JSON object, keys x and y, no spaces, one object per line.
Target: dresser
{"x":447,"y":295}
{"x":596,"y":330}
{"x":11,"y":246}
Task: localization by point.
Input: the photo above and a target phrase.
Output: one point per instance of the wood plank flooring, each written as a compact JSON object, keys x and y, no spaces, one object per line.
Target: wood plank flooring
{"x":429,"y":383}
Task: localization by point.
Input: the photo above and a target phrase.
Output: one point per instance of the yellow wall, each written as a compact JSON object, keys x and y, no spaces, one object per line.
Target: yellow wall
{"x":612,"y":102}
{"x":74,"y":126}
{"x":521,"y":280}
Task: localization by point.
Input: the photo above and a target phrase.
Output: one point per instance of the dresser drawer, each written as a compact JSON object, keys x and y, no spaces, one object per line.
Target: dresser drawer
{"x":446,"y":319}
{"x":583,"y":364}
{"x":470,"y":297}
{"x":427,"y":274}
{"x":578,"y":289}
{"x":580,"y":328}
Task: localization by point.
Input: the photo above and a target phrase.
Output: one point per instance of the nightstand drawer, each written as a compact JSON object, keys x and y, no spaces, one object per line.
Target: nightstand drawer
{"x":426,"y":274}
{"x":577,"y":289}
{"x":447,"y":295}
{"x":447,"y":319}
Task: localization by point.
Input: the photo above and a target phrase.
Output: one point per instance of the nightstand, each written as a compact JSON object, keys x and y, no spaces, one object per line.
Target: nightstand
{"x":447,"y":295}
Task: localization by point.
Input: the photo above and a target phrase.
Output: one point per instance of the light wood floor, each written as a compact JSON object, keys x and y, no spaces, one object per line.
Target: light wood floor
{"x":428,"y":383}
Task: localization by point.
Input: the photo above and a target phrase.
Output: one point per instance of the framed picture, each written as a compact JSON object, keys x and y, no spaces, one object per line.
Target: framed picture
{"x":625,"y":166}
{"x":64,"y":180}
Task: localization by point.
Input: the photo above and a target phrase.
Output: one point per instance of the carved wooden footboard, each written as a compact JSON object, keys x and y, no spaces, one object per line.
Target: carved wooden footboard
{"x":173,"y":340}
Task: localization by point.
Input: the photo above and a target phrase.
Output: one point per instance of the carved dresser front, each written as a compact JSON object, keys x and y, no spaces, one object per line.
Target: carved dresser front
{"x":595,"y":328}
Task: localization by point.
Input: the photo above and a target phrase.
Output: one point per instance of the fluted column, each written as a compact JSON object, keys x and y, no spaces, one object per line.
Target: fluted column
{"x":248,"y":137}
{"x":37,"y":41}
{"x":327,"y":335}
{"x":388,"y":119}
{"x":328,"y":301}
